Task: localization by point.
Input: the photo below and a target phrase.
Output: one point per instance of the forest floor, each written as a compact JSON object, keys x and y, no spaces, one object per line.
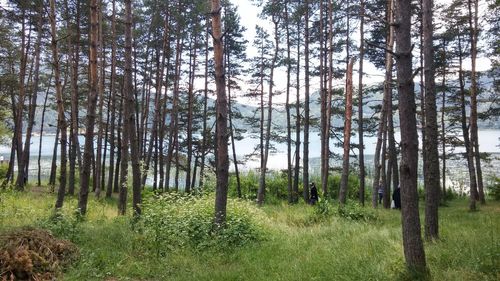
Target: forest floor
{"x":295,"y":244}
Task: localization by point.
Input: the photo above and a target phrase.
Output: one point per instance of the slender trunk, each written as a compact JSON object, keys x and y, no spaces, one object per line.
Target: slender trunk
{"x":222,"y":155}
{"x":129,"y":113}
{"x":443,"y":124}
{"x":41,"y":131}
{"x":61,"y":121}
{"x":360,"y":106}
{"x":34,"y":95}
{"x":287,"y":108}
{"x":100,"y":123}
{"x":347,"y":135}
{"x":431,"y":163}
{"x":297,"y":122}
{"x":305,"y":159}
{"x":474,"y":140}
{"x":383,"y":114}
{"x":412,"y":240}
{"x":190,"y":119}
{"x":91,"y":111}
{"x":18,"y":119}
{"x":53,"y":166}
{"x":465,"y":133}
{"x":112,"y":109}
{"x":75,"y":60}
{"x":262,"y":184}
{"x":205,"y":133}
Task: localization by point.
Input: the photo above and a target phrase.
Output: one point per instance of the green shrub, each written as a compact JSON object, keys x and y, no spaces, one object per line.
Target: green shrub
{"x":3,"y":170}
{"x":494,"y":189}
{"x":173,"y":220}
{"x":352,"y":186}
{"x":354,"y":211}
{"x":62,"y":225}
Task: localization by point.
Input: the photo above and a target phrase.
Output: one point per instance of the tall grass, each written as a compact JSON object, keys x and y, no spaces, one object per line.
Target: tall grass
{"x":295,"y":244}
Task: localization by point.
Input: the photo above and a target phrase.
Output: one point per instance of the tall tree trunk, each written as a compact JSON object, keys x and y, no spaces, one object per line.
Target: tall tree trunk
{"x":360,"y":105}
{"x":205,"y":134}
{"x":305,"y":159}
{"x":34,"y":95}
{"x":347,"y":135}
{"x":431,"y":164}
{"x":221,"y":117}
{"x":262,"y":182}
{"x":297,"y":121}
{"x":190,"y":118}
{"x":60,"y":106}
{"x":412,"y":240}
{"x":287,"y":108}
{"x":75,"y":60}
{"x":41,"y":130}
{"x":443,"y":123}
{"x":474,"y":139}
{"x":384,"y":110}
{"x":100,"y":123}
{"x":91,"y":110}
{"x":465,"y":132}
{"x":112,"y":97}
{"x":129,"y":113}
{"x":18,"y":113}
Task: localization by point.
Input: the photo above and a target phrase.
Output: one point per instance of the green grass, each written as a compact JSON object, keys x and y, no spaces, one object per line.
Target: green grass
{"x":295,"y":245}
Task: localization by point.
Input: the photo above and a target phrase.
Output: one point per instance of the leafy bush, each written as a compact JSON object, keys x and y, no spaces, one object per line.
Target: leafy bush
{"x":173,"y":220}
{"x":3,"y":170}
{"x":494,"y":189}
{"x":356,"y":212}
{"x":62,"y":225}
{"x":352,"y":186}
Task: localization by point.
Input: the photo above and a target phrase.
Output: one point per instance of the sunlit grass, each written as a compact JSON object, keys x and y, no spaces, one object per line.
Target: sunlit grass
{"x":295,"y":247}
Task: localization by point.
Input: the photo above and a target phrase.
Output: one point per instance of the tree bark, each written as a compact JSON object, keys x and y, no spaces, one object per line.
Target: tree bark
{"x":60,"y":106}
{"x":360,"y":106}
{"x":347,"y":135}
{"x":221,"y":117}
{"x":91,"y":110}
{"x":305,"y":159}
{"x":474,"y":139}
{"x":431,"y":163}
{"x":412,"y":240}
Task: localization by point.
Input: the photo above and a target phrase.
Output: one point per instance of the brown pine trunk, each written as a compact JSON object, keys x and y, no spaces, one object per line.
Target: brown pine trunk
{"x":465,"y":133}
{"x":190,"y":117}
{"x":287,"y":108}
{"x":205,"y":134}
{"x":53,"y":166}
{"x":112,"y":97}
{"x":100,"y":123}
{"x":360,"y":106}
{"x":42,"y":121}
{"x":91,"y":110}
{"x":347,"y":135}
{"x":130,"y":113}
{"x":474,"y":139}
{"x":305,"y":159}
{"x":34,"y":95}
{"x":262,"y":182}
{"x":60,"y":106}
{"x":221,"y":117}
{"x":297,"y":122}
{"x":18,"y":113}
{"x":384,"y":110}
{"x":75,"y":60}
{"x":431,"y":164}
{"x":412,"y":240}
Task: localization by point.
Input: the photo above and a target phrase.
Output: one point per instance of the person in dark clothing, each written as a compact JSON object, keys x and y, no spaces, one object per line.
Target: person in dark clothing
{"x":314,"y":194}
{"x":396,"y":196}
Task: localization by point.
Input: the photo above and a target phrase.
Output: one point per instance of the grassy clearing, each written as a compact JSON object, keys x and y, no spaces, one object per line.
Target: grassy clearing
{"x":295,"y":244}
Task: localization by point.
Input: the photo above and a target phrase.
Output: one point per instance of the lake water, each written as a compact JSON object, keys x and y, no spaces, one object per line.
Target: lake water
{"x":489,"y":142}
